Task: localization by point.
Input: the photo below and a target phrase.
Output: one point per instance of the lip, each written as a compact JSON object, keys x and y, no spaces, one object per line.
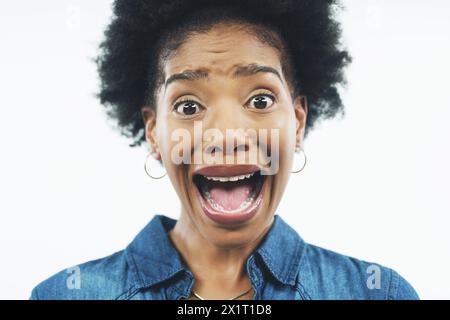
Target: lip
{"x":227,"y":218}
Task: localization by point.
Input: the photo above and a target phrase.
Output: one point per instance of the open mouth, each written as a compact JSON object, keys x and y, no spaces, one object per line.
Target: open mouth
{"x":230,"y":194}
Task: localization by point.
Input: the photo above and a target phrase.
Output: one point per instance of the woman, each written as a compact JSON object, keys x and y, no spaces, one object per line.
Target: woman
{"x":224,"y":93}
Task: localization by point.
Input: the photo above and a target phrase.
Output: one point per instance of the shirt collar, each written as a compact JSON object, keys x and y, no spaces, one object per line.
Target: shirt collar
{"x":153,"y":258}
{"x":152,"y":255}
{"x":282,"y":251}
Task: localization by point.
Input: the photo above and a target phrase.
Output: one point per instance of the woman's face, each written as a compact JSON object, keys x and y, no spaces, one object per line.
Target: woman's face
{"x":226,"y":134}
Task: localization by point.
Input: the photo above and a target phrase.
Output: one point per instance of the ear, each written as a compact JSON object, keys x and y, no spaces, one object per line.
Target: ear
{"x":149,"y":116}
{"x":301,"y":113}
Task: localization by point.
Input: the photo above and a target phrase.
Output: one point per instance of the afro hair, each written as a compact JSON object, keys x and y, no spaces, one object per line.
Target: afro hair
{"x":142,"y":33}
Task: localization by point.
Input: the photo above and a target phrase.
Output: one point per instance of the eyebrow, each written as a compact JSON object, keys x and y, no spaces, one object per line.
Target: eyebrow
{"x":241,"y":71}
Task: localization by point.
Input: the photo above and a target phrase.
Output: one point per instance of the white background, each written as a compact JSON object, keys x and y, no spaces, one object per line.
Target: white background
{"x":376,"y":185}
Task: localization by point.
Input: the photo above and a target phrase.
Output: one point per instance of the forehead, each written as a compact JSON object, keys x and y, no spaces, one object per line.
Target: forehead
{"x":221,"y":51}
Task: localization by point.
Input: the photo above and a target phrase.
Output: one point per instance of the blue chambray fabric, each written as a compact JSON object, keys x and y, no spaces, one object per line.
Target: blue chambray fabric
{"x":283,"y":266}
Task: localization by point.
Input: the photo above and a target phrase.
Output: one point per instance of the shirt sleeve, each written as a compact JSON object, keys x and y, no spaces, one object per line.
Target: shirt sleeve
{"x":34,"y":294}
{"x":400,"y":289}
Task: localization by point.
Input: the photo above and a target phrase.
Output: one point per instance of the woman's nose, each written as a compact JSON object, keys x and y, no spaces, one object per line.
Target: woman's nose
{"x":229,"y":138}
{"x":228,"y":143}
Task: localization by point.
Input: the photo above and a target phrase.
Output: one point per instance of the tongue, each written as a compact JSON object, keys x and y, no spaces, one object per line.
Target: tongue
{"x":230,"y":195}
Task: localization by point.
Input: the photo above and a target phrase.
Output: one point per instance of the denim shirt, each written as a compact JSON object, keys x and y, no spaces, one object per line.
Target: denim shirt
{"x":283,"y":266}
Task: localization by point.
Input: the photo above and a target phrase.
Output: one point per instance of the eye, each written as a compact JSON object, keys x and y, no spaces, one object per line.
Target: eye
{"x":261,"y":101}
{"x":187,"y":108}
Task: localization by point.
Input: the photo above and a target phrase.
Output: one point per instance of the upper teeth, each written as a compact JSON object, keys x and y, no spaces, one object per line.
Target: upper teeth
{"x":233,"y":178}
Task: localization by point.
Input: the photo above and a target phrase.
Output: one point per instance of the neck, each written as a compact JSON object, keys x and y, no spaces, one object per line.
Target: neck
{"x":217,"y":270}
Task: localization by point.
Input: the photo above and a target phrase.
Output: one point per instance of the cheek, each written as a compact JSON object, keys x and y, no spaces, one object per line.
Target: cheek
{"x":176,"y":141}
{"x":282,"y":144}
{"x":288,"y":127}
{"x":282,"y":121}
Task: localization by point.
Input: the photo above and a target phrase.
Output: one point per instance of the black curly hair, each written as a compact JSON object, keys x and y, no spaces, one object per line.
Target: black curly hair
{"x":144,"y":33}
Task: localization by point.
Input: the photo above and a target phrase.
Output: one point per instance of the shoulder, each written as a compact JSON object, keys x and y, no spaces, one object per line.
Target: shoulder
{"x":147,"y":260}
{"x":105,"y":278}
{"x":337,"y":276}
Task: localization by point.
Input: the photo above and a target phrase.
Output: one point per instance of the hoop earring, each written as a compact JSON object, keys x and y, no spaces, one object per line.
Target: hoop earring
{"x":155,"y":177}
{"x":299,"y":149}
